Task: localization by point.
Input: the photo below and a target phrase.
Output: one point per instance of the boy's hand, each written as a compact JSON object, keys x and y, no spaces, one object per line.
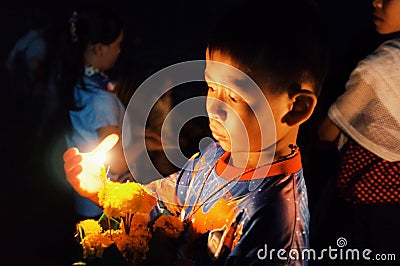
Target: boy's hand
{"x":83,"y":170}
{"x":73,"y":168}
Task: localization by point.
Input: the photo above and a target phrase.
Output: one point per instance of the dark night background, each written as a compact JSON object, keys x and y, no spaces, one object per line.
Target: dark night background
{"x":37,"y":217}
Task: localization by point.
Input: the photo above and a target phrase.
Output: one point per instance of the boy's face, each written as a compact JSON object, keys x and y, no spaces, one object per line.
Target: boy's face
{"x":240,"y":116}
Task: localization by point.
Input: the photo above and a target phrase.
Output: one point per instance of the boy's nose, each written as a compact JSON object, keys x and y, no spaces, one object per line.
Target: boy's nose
{"x":216,"y":109}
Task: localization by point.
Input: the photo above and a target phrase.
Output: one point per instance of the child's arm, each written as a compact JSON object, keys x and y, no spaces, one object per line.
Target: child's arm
{"x":165,"y":192}
{"x":171,"y":191}
{"x":357,"y":97}
{"x":328,"y":131}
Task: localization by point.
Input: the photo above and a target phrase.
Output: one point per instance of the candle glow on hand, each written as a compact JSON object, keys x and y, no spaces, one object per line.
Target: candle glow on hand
{"x":93,"y":173}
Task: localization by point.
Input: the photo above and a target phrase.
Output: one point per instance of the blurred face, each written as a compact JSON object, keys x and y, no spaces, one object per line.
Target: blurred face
{"x":110,"y":52}
{"x":387,"y":16}
{"x":240,"y":117}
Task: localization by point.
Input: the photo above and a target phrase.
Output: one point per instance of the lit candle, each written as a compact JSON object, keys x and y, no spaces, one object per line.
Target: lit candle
{"x":93,"y":173}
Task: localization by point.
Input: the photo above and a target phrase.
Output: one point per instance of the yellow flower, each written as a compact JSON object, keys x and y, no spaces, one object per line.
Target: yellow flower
{"x":120,"y":199}
{"x":89,"y":227}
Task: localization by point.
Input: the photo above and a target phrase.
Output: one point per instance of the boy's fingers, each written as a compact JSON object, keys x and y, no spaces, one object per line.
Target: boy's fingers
{"x":68,"y":154}
{"x":72,"y":162}
{"x":106,"y":144}
{"x":73,"y":173}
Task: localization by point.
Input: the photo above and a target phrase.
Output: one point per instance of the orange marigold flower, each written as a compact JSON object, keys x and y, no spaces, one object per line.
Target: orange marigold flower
{"x":94,"y":244}
{"x":139,"y":224}
{"x":172,"y":226}
{"x":133,"y":247}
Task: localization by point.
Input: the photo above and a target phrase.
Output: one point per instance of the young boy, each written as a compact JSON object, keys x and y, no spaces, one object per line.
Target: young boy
{"x":245,"y":195}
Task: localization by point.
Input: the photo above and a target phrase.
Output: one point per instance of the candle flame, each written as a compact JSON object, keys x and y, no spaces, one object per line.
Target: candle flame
{"x":106,"y":144}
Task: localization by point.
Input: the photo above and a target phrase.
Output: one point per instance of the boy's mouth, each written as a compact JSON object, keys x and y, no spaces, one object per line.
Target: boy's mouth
{"x":218,"y":137}
{"x":377,"y":18}
{"x":216,"y":133}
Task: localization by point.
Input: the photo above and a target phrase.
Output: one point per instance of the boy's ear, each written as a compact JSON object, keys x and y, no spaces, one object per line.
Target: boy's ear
{"x":303,"y":104}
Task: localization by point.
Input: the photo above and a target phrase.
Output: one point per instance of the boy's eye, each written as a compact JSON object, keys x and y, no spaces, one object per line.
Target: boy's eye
{"x":235,"y":98}
{"x":211,"y":88}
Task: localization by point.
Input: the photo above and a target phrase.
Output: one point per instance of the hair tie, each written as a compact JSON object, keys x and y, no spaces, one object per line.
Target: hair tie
{"x":72,"y":21}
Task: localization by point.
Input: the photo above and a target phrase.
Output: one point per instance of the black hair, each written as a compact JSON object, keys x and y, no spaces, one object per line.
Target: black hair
{"x":279,"y":44}
{"x":88,"y":25}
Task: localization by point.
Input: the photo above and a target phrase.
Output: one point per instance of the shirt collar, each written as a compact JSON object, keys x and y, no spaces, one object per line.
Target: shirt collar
{"x":285,"y":167}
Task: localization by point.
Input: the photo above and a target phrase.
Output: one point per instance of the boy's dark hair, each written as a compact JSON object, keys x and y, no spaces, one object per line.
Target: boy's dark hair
{"x":279,"y":44}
